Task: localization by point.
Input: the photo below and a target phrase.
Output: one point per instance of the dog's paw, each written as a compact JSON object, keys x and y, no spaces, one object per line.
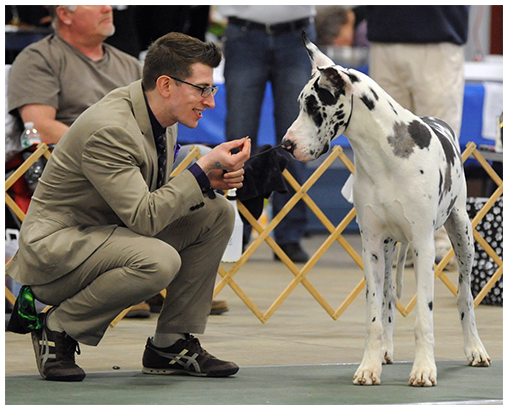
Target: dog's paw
{"x":388,"y":356}
{"x":478,"y":357}
{"x":367,"y":377}
{"x":423,"y":376}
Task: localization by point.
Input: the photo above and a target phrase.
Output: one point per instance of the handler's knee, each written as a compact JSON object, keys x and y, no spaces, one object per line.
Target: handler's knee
{"x":157,"y":266}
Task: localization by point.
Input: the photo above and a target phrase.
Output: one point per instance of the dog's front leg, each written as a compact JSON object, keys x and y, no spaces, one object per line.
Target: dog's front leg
{"x":369,"y":371}
{"x":389,"y":301}
{"x":424,"y":372}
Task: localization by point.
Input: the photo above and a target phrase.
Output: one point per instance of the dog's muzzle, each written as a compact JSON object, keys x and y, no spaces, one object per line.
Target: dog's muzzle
{"x":289,"y":146}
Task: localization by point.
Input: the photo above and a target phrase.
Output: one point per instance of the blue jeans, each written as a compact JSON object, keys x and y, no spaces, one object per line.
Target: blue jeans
{"x":252,"y":59}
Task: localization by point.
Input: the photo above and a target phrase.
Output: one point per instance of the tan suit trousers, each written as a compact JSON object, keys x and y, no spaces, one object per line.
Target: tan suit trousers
{"x":130,"y":268}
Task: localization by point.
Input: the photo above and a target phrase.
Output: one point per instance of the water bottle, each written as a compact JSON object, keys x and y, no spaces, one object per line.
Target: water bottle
{"x":233,"y":250}
{"x":29,"y":136}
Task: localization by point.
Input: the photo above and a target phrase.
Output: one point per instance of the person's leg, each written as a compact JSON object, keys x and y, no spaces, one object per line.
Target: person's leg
{"x":127,"y":269}
{"x":200,"y":239}
{"x":438,"y":75}
{"x":391,"y":69}
{"x":246,"y":72}
{"x":290,"y":72}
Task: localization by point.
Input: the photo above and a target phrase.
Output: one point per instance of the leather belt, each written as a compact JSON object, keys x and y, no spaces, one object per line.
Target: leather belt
{"x":271,"y":29}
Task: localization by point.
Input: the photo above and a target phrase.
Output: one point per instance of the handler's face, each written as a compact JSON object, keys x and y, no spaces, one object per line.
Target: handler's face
{"x":186,"y":103}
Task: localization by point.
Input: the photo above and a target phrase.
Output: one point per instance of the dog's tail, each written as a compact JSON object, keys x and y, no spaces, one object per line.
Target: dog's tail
{"x":401,"y":261}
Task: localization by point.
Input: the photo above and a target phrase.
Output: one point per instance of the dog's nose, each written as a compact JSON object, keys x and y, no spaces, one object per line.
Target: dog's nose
{"x":288,"y":145}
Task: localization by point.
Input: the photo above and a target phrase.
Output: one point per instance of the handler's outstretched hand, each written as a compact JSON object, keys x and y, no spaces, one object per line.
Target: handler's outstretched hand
{"x":224,"y":169}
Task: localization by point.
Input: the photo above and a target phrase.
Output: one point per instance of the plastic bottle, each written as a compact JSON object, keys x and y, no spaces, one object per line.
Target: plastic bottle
{"x":233,"y":250}
{"x":29,"y":136}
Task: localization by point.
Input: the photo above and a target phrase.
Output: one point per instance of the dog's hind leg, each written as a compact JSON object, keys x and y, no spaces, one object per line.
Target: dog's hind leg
{"x":460,"y":232}
{"x":389,"y":302}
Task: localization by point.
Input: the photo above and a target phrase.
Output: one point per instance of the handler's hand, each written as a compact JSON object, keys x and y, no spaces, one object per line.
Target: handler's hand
{"x":224,"y":169}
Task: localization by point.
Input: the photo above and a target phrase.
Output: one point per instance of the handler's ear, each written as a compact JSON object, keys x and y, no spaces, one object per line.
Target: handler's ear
{"x":163,"y":84}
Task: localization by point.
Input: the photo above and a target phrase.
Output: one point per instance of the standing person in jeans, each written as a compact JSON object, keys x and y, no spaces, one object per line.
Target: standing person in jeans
{"x":263,"y":44}
{"x":417,"y":56}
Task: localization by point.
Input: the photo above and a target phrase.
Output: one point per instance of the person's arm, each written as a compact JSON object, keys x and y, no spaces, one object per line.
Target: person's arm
{"x":43,"y":117}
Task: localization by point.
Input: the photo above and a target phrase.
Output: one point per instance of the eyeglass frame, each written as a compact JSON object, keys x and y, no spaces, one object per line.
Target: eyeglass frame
{"x":213,"y":88}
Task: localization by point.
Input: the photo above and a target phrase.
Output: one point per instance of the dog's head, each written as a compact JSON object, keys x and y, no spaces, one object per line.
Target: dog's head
{"x":325,"y":108}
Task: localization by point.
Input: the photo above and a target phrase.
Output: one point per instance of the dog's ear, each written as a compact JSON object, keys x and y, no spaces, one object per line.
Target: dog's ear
{"x":317,"y":57}
{"x":334,"y":79}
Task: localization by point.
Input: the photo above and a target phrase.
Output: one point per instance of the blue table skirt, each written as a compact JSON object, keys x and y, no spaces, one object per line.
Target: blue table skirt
{"x":211,"y":128}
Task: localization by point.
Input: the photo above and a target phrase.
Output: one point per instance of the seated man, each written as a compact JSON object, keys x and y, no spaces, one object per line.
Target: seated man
{"x":54,"y":80}
{"x":107,"y":228}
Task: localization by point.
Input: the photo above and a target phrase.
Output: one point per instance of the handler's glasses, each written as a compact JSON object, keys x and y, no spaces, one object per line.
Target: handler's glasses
{"x":205,"y":91}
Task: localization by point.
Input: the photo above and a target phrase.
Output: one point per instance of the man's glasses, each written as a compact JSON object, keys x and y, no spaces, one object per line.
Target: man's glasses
{"x":205,"y":91}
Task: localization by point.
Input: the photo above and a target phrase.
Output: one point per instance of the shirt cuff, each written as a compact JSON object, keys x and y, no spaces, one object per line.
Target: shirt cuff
{"x":202,"y":179}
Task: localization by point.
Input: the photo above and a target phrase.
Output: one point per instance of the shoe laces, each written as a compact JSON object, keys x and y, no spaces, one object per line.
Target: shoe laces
{"x":194,"y":341}
{"x":65,"y":347}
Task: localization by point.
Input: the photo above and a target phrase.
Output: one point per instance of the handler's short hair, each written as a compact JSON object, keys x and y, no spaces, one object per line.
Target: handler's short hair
{"x":173,"y":55}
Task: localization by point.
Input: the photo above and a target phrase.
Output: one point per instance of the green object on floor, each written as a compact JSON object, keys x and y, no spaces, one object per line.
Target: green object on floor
{"x":24,"y":316}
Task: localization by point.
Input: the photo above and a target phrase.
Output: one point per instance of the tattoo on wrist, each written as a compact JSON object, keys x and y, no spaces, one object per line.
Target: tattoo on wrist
{"x":218,"y":165}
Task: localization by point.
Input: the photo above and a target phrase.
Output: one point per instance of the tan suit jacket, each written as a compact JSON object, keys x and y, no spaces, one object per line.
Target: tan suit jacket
{"x":101,"y":175}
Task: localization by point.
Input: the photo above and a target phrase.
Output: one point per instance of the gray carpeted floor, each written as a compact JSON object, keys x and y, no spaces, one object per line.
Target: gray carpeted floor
{"x":306,"y":384}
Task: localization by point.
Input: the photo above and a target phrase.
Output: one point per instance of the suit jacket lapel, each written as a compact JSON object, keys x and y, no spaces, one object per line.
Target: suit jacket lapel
{"x":142,"y":118}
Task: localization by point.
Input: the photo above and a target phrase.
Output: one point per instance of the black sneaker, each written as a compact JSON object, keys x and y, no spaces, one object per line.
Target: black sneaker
{"x":186,"y":356}
{"x":54,"y":353}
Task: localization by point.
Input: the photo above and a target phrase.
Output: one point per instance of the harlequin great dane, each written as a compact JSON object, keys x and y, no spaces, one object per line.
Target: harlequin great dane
{"x":408,"y":181}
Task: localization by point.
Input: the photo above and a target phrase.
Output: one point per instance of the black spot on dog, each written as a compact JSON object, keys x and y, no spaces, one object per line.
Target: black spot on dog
{"x":353,"y":77}
{"x":340,"y":115}
{"x":389,"y":319}
{"x":325,"y":149}
{"x":324,"y":95}
{"x":374,"y":257}
{"x":374,"y":94}
{"x":462,"y":316}
{"x":374,"y":319}
{"x":401,"y":141}
{"x":421,"y":171}
{"x":393,"y":108}
{"x":440,"y":185}
{"x":390,"y":305}
{"x":312,"y":108}
{"x":449,"y":152}
{"x":367,"y":101}
{"x":431,"y":306}
{"x":336,"y":129}
{"x":420,"y":134}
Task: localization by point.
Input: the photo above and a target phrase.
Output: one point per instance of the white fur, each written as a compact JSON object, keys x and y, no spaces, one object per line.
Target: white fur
{"x":402,"y":193}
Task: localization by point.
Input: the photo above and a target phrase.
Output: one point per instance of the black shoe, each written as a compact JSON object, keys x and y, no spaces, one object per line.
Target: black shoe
{"x":54,"y":353}
{"x":294,"y":251}
{"x":186,"y":356}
